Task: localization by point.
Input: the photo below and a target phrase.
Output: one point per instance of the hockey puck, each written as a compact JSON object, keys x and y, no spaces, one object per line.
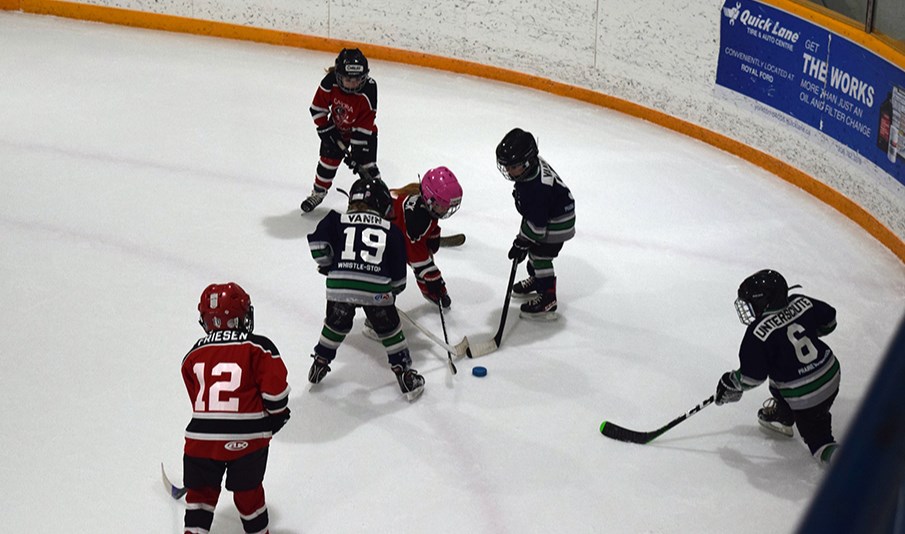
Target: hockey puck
{"x":479,"y":371}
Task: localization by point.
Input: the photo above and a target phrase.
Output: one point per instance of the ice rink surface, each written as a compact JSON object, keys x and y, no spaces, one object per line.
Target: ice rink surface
{"x":136,"y":167}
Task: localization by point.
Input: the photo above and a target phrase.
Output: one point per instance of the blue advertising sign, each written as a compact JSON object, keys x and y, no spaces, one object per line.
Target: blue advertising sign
{"x":818,"y":77}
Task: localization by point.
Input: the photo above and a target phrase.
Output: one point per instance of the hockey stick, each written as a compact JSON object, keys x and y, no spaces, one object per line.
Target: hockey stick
{"x":459,"y":349}
{"x":454,"y":240}
{"x":612,"y":430}
{"x":452,"y":366}
{"x":489,"y":346}
{"x":353,"y":165}
{"x":175,"y":491}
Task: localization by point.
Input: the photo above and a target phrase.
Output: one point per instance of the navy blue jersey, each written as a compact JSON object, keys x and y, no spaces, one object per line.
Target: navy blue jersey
{"x":364,"y":254}
{"x":546,"y":206}
{"x":785,"y":346}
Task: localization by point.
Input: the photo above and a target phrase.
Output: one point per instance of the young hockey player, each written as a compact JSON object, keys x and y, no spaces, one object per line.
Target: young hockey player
{"x":363,"y":256}
{"x":344,"y":110}
{"x":782,"y":343}
{"x":417,"y":208}
{"x":237,"y":385}
{"x":548,"y":220}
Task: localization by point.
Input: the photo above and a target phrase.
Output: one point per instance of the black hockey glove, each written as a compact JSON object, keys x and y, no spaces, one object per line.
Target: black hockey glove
{"x":436,"y":292}
{"x":519,"y":250}
{"x":726,"y":390}
{"x":329,"y":134}
{"x":323,"y":270}
{"x":278,"y":420}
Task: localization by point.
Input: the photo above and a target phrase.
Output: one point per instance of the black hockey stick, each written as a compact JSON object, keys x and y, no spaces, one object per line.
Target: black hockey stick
{"x":617,"y":432}
{"x":487,"y":347}
{"x":353,"y":165}
{"x":175,"y":491}
{"x":452,"y":366}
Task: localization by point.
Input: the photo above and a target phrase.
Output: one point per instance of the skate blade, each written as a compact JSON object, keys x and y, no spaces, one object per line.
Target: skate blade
{"x":523,"y":296}
{"x":777,"y":428}
{"x":413,"y":395}
{"x":540,"y":317}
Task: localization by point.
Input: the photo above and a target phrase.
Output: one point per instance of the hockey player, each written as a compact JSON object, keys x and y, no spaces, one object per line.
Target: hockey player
{"x":344,"y":110}
{"x":782,"y":343}
{"x":237,"y":385}
{"x":417,"y":208}
{"x":363,"y":256}
{"x":548,"y":220}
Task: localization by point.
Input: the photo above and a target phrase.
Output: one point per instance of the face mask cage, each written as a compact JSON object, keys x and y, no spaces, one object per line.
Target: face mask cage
{"x":441,"y":212}
{"x":504,"y":170}
{"x":745,"y":311}
{"x":351,"y":83}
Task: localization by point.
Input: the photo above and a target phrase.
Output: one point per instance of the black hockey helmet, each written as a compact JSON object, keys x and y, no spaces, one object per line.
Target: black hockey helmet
{"x":351,"y":70}
{"x":518,"y":149}
{"x":763,"y":291}
{"x":374,"y":193}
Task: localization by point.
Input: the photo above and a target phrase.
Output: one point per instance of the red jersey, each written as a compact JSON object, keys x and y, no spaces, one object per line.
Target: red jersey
{"x":421,"y":230}
{"x":234,"y":380}
{"x":353,"y":113}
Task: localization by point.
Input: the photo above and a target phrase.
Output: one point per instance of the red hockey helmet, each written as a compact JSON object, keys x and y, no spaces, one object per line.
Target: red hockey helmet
{"x":226,"y":307}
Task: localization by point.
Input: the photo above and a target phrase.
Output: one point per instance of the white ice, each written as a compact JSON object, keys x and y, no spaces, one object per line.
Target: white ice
{"x":137,"y":167}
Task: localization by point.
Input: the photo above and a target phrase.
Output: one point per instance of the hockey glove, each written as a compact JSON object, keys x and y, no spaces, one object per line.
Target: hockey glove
{"x":329,"y":134}
{"x":278,"y":420}
{"x":435,"y":291}
{"x":726,"y":390}
{"x":323,"y":270}
{"x":519,"y":250}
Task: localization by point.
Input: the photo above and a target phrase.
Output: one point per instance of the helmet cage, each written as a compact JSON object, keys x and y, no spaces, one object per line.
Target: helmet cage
{"x":745,"y":311}
{"x":441,"y":210}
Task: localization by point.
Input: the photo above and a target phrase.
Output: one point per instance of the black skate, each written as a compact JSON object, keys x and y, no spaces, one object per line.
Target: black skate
{"x":314,"y":199}
{"x":774,"y":418}
{"x":540,"y":308}
{"x":410,"y":382}
{"x":524,"y":289}
{"x":319,"y":369}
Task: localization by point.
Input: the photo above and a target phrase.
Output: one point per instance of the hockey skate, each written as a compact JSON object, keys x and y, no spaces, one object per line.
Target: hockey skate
{"x":541,"y":308}
{"x":824,"y":454}
{"x":314,"y":199}
{"x":773,"y":418}
{"x":410,"y":382}
{"x":319,"y":369}
{"x":524,"y":289}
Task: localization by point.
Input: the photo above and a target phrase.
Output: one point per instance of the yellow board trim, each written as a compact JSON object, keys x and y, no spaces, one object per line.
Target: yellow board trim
{"x":818,"y":189}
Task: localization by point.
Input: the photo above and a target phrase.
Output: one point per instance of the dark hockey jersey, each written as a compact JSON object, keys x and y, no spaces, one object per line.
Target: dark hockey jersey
{"x":354,"y":114}
{"x":546,"y":206}
{"x":234,"y":380}
{"x":364,"y":255}
{"x":785,"y":346}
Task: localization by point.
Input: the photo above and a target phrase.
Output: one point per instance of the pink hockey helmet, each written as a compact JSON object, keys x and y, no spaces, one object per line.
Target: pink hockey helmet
{"x":441,"y":191}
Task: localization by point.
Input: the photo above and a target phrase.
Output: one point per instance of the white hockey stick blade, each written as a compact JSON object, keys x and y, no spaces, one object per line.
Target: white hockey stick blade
{"x":459,"y":349}
{"x":174,"y":491}
{"x":481,"y":349}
